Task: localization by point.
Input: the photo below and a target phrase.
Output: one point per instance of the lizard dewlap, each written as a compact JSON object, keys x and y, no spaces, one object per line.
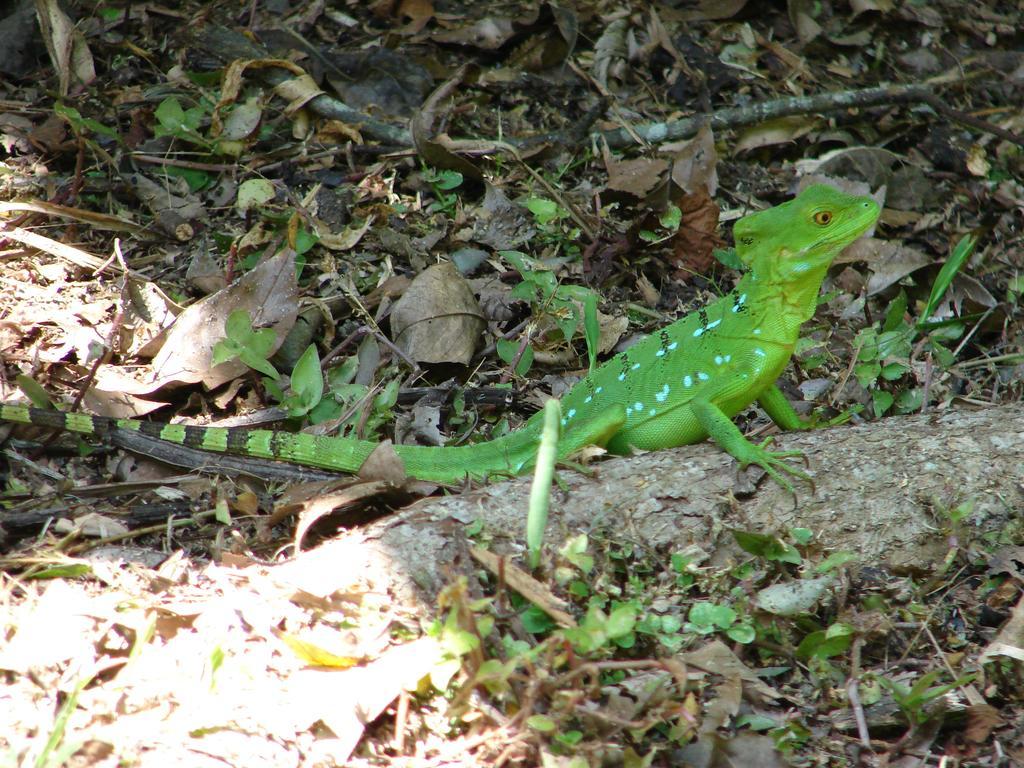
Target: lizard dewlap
{"x":677,"y":386}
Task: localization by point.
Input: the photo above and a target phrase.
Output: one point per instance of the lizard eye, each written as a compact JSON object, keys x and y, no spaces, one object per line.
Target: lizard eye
{"x":823,"y":217}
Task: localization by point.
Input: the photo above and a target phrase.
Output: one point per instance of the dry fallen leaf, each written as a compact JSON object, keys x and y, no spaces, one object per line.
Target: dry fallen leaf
{"x":269,"y":293}
{"x":438,"y":319}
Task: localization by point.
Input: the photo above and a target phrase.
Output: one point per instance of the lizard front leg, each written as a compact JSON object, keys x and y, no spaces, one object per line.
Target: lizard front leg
{"x":728,"y":436}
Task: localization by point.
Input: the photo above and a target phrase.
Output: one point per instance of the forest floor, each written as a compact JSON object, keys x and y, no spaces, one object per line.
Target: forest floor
{"x":416,"y":220}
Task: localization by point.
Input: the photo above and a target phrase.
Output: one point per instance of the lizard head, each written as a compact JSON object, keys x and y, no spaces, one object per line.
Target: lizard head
{"x":798,"y":239}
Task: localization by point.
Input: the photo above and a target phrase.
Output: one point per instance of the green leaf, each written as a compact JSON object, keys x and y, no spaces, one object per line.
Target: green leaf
{"x":909,"y":400}
{"x":177,"y":121}
{"x":304,"y":240}
{"x":197,"y":180}
{"x":671,"y":218}
{"x":448,"y":180}
{"x":591,"y":328}
{"x":881,"y":401}
{"x":896,"y":343}
{"x":894,"y":315}
{"x":621,"y":621}
{"x":702,"y":614}
{"x":388,"y":396}
{"x":866,"y":373}
{"x":727,"y":257}
{"x":867,"y":341}
{"x":836,"y":560}
{"x":944,"y":358}
{"x":961,"y":252}
{"x":238,"y":326}
{"x":569,"y":738}
{"x":535,"y":621}
{"x":70,"y":571}
{"x":742,"y":633}
{"x":307,"y":381}
{"x":802,"y":535}
{"x":261,"y":342}
{"x":253,"y":194}
{"x":893,"y":371}
{"x":517,"y":259}
{"x":568,"y":323}
{"x":225,"y":350}
{"x":541,"y":723}
{"x":524,"y":291}
{"x":671,"y":624}
{"x":81,"y":124}
{"x":768,"y":547}
{"x":39,"y":397}
{"x":507,"y":351}
{"x":258,"y":363}
{"x":544,"y":211}
{"x":825,"y":644}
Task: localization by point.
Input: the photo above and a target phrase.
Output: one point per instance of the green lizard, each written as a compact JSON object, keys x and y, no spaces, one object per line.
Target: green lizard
{"x":674,"y":387}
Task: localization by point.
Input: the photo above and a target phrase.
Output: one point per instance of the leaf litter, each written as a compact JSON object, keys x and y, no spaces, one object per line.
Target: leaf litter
{"x":151,"y":617}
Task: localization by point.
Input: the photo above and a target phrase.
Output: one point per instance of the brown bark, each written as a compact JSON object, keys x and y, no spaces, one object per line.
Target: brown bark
{"x":881,"y":492}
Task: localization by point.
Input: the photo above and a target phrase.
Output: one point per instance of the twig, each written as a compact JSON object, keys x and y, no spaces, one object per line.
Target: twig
{"x":767,"y":110}
{"x":733,"y":117}
{"x":970,"y":121}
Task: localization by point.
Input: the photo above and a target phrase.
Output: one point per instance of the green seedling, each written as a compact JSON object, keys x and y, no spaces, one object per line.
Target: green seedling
{"x":242,"y":342}
{"x":565,"y":305}
{"x":886,"y":353}
{"x":443,"y":182}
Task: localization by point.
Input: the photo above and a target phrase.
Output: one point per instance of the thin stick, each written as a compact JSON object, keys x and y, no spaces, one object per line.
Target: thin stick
{"x":734,"y":117}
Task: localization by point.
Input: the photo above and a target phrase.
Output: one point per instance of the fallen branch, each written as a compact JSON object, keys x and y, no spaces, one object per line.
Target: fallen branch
{"x":883,"y":492}
{"x":735,"y":117}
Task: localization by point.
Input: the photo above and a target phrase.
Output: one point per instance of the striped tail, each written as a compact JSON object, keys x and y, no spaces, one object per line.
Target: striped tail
{"x":509,"y":455}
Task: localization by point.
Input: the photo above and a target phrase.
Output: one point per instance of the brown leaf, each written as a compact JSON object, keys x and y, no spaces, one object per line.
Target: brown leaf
{"x":695,"y":163}
{"x":636,"y":177}
{"x":269,"y":293}
{"x":982,"y":719}
{"x":693,"y":244}
{"x":438,"y":319}
{"x":383,"y":464}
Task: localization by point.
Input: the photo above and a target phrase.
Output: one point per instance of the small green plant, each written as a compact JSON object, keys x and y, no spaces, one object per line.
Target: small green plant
{"x":666,"y":629}
{"x":540,"y":491}
{"x":345,"y":398}
{"x":253,"y":347}
{"x":706,"y":618}
{"x":914,"y":700}
{"x":771,"y":548}
{"x":307,"y":384}
{"x":790,"y":737}
{"x":685,"y":570}
{"x":443,"y":182}
{"x":241,"y":341}
{"x":886,"y":353}
{"x":579,"y":562}
{"x":827,"y":643}
{"x":669,"y":219}
{"x":599,"y":629}
{"x":553,"y":231}
{"x":565,"y":305}
{"x":456,"y":639}
{"x":545,"y":212}
{"x":83,"y":126}
{"x":180,"y":123}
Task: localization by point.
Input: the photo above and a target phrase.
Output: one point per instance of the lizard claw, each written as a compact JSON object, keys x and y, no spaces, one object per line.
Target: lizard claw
{"x":774,"y":464}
